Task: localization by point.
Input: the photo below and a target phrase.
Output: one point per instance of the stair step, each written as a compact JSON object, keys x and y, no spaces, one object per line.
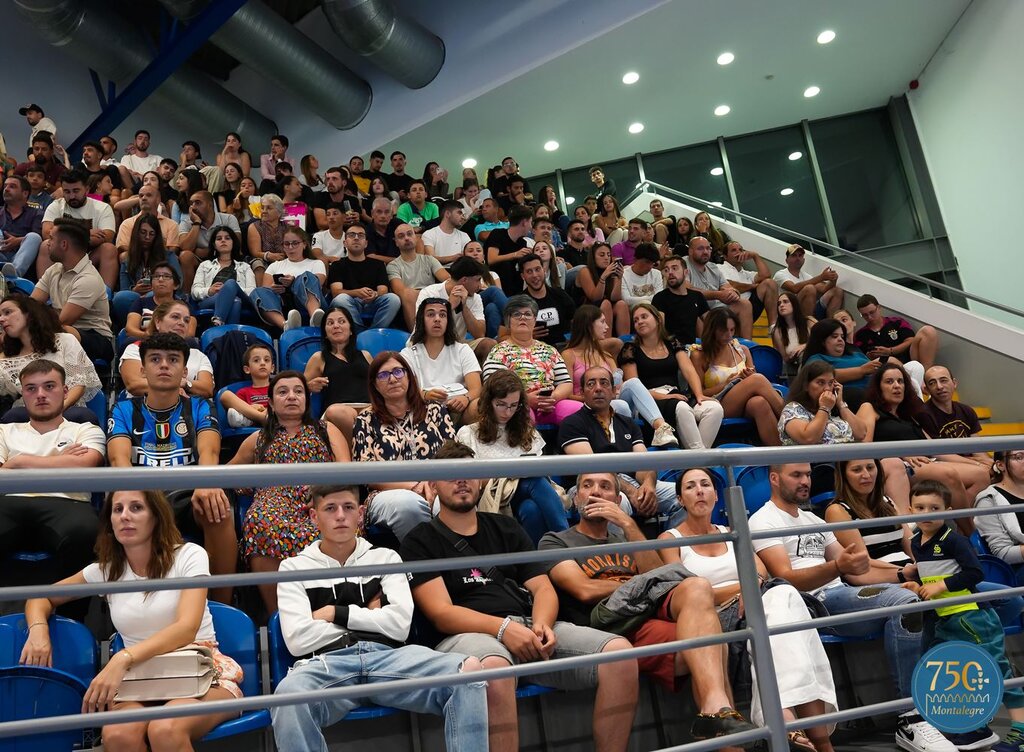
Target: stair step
{"x":984,"y":413}
{"x":1001,"y":429}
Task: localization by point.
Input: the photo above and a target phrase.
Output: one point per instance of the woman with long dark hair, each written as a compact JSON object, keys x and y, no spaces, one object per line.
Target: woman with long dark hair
{"x":791,"y":332}
{"x":187,"y":183}
{"x":601,"y":283}
{"x":223,"y":279}
{"x":493,"y":297}
{"x":378,"y":189}
{"x":447,"y":370}
{"x":138,"y":542}
{"x":816,"y":412}
{"x":610,"y":221}
{"x":399,"y":425}
{"x":705,"y":228}
{"x":436,"y":180}
{"x":277,"y":524}
{"x":339,"y":371}
{"x":146,"y":250}
{"x":234,"y":153}
{"x":593,"y":234}
{"x":727,"y":372}
{"x":232,"y":185}
{"x":549,"y":198}
{"x":684,"y":228}
{"x":505,"y":429}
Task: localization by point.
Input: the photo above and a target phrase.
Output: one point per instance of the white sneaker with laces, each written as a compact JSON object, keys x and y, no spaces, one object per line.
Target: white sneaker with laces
{"x":293,"y":320}
{"x":664,"y":436}
{"x":915,"y":734}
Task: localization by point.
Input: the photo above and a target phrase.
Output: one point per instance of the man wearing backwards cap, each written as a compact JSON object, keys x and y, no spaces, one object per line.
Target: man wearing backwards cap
{"x":33,"y":113}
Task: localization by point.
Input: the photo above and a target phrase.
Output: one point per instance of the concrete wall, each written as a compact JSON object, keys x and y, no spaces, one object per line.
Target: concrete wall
{"x":968,"y":111}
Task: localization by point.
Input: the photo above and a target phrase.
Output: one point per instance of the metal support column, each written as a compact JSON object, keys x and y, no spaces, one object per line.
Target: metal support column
{"x":180,"y":48}
{"x":819,"y":184}
{"x":724,"y":156}
{"x":750,"y":588}
{"x":640,"y":168}
{"x":560,"y":187}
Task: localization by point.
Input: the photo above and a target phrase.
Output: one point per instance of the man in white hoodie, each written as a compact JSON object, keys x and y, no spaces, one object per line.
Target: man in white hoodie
{"x":351,"y":630}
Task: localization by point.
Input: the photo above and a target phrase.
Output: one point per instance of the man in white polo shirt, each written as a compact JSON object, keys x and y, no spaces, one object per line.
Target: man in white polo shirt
{"x":63,"y":524}
{"x":446,"y":241}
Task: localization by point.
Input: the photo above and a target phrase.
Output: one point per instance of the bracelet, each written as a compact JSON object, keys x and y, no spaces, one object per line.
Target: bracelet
{"x":825,"y":410}
{"x":503,"y":627}
{"x":36,"y":624}
{"x":900,"y":577}
{"x":131,"y":658}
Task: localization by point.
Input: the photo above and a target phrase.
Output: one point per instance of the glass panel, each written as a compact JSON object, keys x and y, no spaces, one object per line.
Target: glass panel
{"x":578,"y":184}
{"x":771,"y":186}
{"x":539,"y":181}
{"x":689,"y":170}
{"x":864,"y":179}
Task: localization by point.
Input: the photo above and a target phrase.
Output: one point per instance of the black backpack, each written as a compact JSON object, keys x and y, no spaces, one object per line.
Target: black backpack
{"x":226,"y":353}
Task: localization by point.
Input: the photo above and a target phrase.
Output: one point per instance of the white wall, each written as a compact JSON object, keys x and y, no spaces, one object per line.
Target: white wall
{"x":968,"y":112}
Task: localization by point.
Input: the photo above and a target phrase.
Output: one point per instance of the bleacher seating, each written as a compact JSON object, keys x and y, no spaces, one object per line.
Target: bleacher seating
{"x":296,"y":346}
{"x":376,"y":341}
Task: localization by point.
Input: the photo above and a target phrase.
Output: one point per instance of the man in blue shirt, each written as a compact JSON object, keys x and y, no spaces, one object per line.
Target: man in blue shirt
{"x":166,"y":429}
{"x":21,"y":228}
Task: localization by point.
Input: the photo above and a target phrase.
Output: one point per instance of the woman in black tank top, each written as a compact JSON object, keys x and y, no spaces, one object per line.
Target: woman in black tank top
{"x":339,"y":371}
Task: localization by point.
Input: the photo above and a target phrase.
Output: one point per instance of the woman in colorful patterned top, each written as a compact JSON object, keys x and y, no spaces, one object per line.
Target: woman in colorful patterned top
{"x":399,"y":425}
{"x":277,"y":524}
{"x":537,"y":364}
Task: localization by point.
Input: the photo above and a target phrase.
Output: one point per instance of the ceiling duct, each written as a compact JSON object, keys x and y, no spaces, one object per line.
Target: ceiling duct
{"x":262,"y":40}
{"x":397,"y":45}
{"x":88,"y":30}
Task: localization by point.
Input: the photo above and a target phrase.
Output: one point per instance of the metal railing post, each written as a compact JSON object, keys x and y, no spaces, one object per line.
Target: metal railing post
{"x":750,"y":588}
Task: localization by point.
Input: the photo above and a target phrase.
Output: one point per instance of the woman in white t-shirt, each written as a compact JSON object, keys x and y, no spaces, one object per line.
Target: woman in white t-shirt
{"x":505,"y":429}
{"x":446,"y":369}
{"x":173,"y":317}
{"x":138,"y":541}
{"x":491,"y":294}
{"x":295,"y":283}
{"x":804,"y":675}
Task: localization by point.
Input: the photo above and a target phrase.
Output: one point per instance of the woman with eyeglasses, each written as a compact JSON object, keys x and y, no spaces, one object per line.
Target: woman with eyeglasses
{"x":223,"y":279}
{"x":165,"y":280}
{"x":277,"y":524}
{"x":399,"y":425}
{"x":295,"y":283}
{"x":265,"y":238}
{"x":1002,"y":533}
{"x":506,"y":430}
{"x":539,"y":365}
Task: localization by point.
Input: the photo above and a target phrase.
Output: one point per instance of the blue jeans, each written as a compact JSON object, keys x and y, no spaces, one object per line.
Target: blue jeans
{"x":25,"y":256}
{"x":634,"y":397}
{"x":538,"y":508}
{"x":494,"y":300}
{"x":668,"y":502}
{"x":902,"y":632}
{"x":223,"y":303}
{"x":464,"y":706}
{"x":382,"y":309}
{"x":1007,"y":609}
{"x":303,"y":287}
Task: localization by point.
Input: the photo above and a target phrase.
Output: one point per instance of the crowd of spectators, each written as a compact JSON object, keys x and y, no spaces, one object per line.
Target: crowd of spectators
{"x":530,"y":331}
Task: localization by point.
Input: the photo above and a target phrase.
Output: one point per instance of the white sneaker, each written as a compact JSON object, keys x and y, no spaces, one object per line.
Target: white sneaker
{"x":664,"y":436}
{"x":915,"y":734}
{"x":293,"y":320}
{"x":316,"y":317}
{"x":9,"y":270}
{"x":237,"y":420}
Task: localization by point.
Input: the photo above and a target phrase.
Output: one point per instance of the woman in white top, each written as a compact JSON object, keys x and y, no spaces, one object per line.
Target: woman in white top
{"x":137,"y":542}
{"x":299,"y":278}
{"x":506,"y":430}
{"x":802,"y":668}
{"x":31,"y":331}
{"x":173,"y":317}
{"x":490,"y":292}
{"x":790,"y":333}
{"x":223,"y":279}
{"x":446,"y":369}
{"x":554,"y":267}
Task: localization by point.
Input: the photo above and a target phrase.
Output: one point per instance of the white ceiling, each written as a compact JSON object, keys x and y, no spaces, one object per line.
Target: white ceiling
{"x":578,"y":98}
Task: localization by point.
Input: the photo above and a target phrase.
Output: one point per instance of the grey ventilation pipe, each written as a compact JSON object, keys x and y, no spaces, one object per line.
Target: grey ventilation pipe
{"x":80,"y":28}
{"x":397,"y":45}
{"x":260,"y":39}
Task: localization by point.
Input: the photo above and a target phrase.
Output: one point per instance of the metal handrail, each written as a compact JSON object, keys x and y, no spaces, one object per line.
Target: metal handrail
{"x":825,"y":244}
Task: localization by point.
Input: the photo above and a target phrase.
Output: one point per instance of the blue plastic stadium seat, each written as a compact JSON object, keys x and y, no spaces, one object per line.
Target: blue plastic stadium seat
{"x":831,"y":639}
{"x":767,"y":362}
{"x":217,"y":331}
{"x":980,"y":547}
{"x":30,"y":692}
{"x":227,"y":431}
{"x":74,"y":648}
{"x":756,"y":489}
{"x":22,"y":285}
{"x":997,"y":570}
{"x":376,"y":341}
{"x":296,"y":346}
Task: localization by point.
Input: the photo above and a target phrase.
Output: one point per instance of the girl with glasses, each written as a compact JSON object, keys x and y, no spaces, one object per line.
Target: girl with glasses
{"x":294,"y":284}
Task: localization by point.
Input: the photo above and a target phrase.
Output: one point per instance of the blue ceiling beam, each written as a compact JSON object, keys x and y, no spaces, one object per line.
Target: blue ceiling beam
{"x":173,"y":53}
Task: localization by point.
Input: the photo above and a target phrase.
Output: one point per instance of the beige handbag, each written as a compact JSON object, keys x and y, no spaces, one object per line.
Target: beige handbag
{"x":177,"y":675}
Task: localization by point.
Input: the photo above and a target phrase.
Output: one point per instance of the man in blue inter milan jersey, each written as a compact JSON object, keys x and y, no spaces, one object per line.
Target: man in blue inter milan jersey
{"x":166,"y":428}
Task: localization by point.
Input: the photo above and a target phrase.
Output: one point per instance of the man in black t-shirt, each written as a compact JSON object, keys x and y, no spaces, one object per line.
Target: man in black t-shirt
{"x":946,"y":418}
{"x":92,"y":156}
{"x":476,"y":607}
{"x":506,"y":247}
{"x":376,"y":162}
{"x":359,"y":284}
{"x":686,"y":612}
{"x":555,"y":307}
{"x":380,"y":233}
{"x":398,"y":181}
{"x":683,"y":308}
{"x":336,"y":179}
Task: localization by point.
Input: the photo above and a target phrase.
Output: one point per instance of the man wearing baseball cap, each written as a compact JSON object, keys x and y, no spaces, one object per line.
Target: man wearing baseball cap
{"x":33,"y":113}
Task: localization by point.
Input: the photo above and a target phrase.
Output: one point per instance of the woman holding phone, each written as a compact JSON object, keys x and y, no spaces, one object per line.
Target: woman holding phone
{"x":601,"y":283}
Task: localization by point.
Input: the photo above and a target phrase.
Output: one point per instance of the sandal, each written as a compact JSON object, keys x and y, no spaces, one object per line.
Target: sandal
{"x":799,"y":742}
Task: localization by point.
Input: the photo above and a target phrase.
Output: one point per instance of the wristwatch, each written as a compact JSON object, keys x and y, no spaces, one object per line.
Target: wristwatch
{"x":188,"y":385}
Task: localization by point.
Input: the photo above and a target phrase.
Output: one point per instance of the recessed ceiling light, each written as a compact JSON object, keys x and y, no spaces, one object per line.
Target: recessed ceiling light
{"x":786,"y":192}
{"x":722,"y":109}
{"x":550,"y":145}
{"x":826,"y":36}
{"x":716,"y":203}
{"x":811,"y":91}
{"x":716,"y":171}
{"x":570,"y":200}
{"x":636,"y":127}
{"x":469,"y":163}
{"x":725,"y":58}
{"x":795,"y":156}
{"x":630,"y":78}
